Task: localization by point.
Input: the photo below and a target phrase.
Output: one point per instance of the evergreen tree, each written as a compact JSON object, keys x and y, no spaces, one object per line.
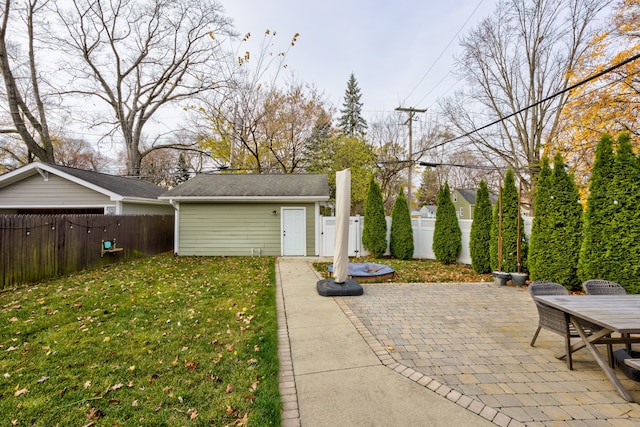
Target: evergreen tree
{"x":182,"y":172}
{"x":374,"y":233}
{"x":510,"y":227}
{"x":401,"y":240}
{"x":623,"y":229}
{"x":351,"y":122}
{"x":319,"y":147}
{"x":539,"y":251}
{"x":481,"y":230}
{"x":427,"y":194}
{"x":447,"y":237}
{"x":556,"y":243}
{"x":600,"y":208}
{"x":494,"y":233}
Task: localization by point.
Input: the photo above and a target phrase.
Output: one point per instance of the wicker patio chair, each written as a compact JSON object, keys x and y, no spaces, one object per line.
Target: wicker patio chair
{"x":602,"y":287}
{"x":555,"y":320}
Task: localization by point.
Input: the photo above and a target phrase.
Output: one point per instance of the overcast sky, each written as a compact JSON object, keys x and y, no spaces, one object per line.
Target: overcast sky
{"x":399,"y":51}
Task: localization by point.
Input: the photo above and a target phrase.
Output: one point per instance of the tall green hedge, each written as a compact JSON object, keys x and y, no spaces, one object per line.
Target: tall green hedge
{"x":481,"y":230}
{"x":509,"y":229}
{"x":623,"y":229}
{"x":374,"y":233}
{"x":401,"y":239}
{"x":600,"y":208}
{"x":447,"y":238}
{"x":557,"y":229}
{"x":539,"y":250}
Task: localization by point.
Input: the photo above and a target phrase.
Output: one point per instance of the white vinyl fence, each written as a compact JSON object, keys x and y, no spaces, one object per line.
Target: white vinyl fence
{"x":422,"y":237}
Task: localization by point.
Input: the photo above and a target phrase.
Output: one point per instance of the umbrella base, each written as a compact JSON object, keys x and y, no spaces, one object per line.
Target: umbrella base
{"x":329,"y":288}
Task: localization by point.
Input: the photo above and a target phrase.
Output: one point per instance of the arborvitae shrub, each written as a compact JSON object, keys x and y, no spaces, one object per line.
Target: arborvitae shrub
{"x":374,"y":233}
{"x":401,"y":240}
{"x":447,"y":238}
{"x":481,"y":230}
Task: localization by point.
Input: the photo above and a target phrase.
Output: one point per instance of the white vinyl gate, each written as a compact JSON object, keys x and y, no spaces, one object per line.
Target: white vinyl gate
{"x":423,"y":229}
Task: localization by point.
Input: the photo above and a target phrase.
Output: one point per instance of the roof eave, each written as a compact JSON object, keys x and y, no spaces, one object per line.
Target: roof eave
{"x":245,"y":199}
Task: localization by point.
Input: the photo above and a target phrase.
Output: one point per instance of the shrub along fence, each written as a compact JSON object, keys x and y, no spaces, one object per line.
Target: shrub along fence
{"x":37,"y":247}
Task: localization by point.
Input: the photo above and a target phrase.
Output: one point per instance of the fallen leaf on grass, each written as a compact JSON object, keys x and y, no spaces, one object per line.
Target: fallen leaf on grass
{"x":242,"y":421}
{"x":190,"y":364}
{"x":230,"y":388}
{"x":43,"y":379}
{"x":252,"y":361}
{"x":229,"y":347}
{"x":13,"y":319}
{"x":87,"y":384}
{"x":12,"y":348}
{"x":254,"y":386}
{"x":116,"y":387}
{"x":193,"y":415}
{"x":20,"y":392}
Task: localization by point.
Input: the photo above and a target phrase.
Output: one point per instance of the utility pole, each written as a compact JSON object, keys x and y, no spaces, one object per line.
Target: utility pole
{"x":412,"y":112}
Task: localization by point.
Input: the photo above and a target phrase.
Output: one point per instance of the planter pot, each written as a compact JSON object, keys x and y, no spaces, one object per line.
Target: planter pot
{"x":519,"y":279}
{"x":500,"y":277}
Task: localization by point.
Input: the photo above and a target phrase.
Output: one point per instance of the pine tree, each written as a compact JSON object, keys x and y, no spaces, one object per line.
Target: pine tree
{"x":374,"y":233}
{"x":351,"y":122}
{"x":539,"y":250}
{"x":401,"y":240}
{"x":182,"y":173}
{"x":427,"y":194}
{"x":481,"y":230}
{"x":623,"y":229}
{"x":447,"y":237}
{"x":600,"y":208}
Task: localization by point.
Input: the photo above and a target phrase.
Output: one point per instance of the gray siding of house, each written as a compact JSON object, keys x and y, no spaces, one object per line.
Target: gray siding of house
{"x":234,"y":229}
{"x":129,"y":208}
{"x":34,"y":191}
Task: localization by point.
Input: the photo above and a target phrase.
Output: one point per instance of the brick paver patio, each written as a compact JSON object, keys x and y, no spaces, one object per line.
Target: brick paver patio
{"x":475,"y":339}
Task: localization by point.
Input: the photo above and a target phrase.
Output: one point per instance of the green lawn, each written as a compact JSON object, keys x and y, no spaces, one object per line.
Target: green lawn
{"x":158,"y":341}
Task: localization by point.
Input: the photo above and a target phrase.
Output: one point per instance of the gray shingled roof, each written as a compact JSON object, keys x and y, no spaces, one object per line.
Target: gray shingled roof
{"x":470,"y":195}
{"x":224,"y":186}
{"x":124,"y":186}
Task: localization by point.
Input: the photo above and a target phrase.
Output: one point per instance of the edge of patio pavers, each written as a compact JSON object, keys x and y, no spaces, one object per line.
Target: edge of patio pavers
{"x":290,"y":416}
{"x":288,"y":390}
{"x":469,"y":403}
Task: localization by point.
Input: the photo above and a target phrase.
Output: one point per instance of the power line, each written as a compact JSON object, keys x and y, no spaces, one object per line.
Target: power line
{"x":548,"y":98}
{"x":441,"y":54}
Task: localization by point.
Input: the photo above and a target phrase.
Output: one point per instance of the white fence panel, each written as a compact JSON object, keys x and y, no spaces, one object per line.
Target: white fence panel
{"x":423,"y":229}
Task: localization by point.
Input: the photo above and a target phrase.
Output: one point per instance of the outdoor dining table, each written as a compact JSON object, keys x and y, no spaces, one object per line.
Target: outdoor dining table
{"x":616,"y":314}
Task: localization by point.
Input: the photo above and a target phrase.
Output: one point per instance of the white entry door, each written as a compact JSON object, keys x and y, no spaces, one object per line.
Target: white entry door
{"x":294,"y":236}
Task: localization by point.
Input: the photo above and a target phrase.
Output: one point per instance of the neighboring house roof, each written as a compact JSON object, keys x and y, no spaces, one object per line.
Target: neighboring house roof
{"x":251,"y":187}
{"x":428,"y":211}
{"x":470,"y":195}
{"x":116,"y":187}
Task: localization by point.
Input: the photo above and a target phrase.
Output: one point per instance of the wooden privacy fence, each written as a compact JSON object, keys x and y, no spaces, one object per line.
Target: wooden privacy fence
{"x":37,"y":247}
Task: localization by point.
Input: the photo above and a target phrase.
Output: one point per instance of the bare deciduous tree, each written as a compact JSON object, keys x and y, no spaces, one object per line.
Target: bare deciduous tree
{"x":24,"y":102}
{"x":139,"y":56}
{"x":517,"y":57}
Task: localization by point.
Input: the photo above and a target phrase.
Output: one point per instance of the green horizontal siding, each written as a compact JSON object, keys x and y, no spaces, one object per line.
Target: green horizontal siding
{"x":234,"y":229}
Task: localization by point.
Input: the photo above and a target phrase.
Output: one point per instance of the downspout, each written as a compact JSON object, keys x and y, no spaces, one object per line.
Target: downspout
{"x":176,"y":226}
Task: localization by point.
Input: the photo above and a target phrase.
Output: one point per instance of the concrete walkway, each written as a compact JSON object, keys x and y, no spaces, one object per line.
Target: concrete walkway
{"x":430,"y":355}
{"x":333,"y":374}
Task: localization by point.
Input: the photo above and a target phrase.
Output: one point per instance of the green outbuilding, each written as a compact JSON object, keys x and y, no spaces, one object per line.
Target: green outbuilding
{"x":249,"y":214}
